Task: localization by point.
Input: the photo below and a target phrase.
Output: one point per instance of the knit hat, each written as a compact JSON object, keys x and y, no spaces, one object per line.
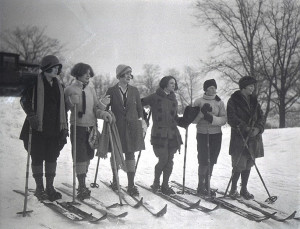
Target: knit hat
{"x":49,"y":62}
{"x":123,"y":69}
{"x":245,"y":81}
{"x":209,"y":83}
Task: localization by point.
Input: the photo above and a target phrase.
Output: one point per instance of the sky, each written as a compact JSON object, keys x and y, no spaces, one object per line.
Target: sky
{"x":105,"y":33}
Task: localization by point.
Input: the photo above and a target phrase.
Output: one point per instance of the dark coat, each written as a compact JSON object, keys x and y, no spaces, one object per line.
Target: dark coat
{"x":51,"y":113}
{"x":127,"y":119}
{"x":164,"y":116}
{"x":240,"y":115}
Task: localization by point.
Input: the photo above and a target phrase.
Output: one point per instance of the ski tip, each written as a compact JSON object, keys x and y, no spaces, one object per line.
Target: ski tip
{"x":122,"y":215}
{"x":162,"y":211}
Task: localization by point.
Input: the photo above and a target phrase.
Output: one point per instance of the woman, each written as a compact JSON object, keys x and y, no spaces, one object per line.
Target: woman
{"x":165,"y":136}
{"x":247,"y":121}
{"x":81,"y":93}
{"x":44,"y":105}
{"x":125,"y":104}
{"x":209,"y":134}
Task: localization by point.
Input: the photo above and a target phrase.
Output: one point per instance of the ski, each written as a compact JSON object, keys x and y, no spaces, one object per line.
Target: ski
{"x":149,"y":208}
{"x":93,"y":198}
{"x":127,"y":198}
{"x":134,"y":203}
{"x":70,"y":207}
{"x":233,"y":208}
{"x":172,"y":200}
{"x":200,"y":208}
{"x":284,"y":216}
{"x":58,"y":209}
{"x":94,"y":203}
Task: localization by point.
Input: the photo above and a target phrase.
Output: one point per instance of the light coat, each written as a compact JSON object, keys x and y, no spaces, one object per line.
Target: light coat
{"x":129,"y":118}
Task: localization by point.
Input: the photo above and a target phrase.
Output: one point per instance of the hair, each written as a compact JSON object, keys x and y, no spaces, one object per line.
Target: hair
{"x":80,"y":69}
{"x":165,"y":80}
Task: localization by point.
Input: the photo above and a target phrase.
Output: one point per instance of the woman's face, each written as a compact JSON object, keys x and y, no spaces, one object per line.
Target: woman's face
{"x":125,"y":78}
{"x":171,"y":85}
{"x":249,"y":89}
{"x":211,"y":90}
{"x":85,"y":78}
{"x":53,"y":72}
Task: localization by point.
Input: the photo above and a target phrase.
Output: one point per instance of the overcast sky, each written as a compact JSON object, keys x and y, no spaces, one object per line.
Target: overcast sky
{"x":105,"y":33}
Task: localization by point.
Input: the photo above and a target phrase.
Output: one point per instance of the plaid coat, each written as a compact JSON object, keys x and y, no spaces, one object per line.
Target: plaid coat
{"x":164,"y":116}
{"x":127,"y":118}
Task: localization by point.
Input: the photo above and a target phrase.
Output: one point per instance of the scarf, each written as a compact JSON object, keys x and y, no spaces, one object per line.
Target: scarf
{"x":40,"y":105}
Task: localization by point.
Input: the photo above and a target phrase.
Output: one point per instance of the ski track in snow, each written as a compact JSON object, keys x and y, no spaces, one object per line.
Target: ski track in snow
{"x":279,"y":168}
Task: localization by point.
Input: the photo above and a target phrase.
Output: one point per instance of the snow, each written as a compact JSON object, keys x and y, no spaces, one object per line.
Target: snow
{"x":279,"y":169}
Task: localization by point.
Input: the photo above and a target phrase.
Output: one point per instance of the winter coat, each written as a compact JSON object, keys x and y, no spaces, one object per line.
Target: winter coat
{"x":218,"y":113}
{"x":164,"y":116}
{"x":241,"y":115}
{"x":128,"y":119}
{"x":93,"y":109}
{"x":52,"y":124}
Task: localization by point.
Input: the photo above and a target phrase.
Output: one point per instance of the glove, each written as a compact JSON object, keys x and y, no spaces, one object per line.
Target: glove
{"x":33,"y":121}
{"x":106,"y":116}
{"x":254,"y":132}
{"x":206,"y":108}
{"x":144,"y":126}
{"x":181,"y":123}
{"x":208,"y":117}
{"x":105,"y":100}
{"x":74,"y":99}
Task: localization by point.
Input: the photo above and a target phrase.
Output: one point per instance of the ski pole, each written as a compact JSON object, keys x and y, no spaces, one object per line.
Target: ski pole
{"x":25,"y":212}
{"x":184,"y":160}
{"x":271,"y":199}
{"x":114,"y":162}
{"x":208,"y":162}
{"x":138,"y":159}
{"x":95,"y":185}
{"x":74,"y":151}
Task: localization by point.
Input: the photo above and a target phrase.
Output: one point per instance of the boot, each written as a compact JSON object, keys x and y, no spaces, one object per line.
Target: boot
{"x":133,"y":191}
{"x":202,"y":170}
{"x":82,"y":192}
{"x":113,"y":184}
{"x":244,"y":192}
{"x":167,"y":190}
{"x":156,"y":183}
{"x":50,"y":190}
{"x":233,"y":192}
{"x":212,"y":192}
{"x":201,"y":190}
{"x":39,"y":191}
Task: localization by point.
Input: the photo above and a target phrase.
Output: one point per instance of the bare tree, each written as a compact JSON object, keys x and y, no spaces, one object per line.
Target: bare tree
{"x":236,"y":24}
{"x":262,"y":42}
{"x":280,"y":54}
{"x":148,"y":81}
{"x":30,"y":43}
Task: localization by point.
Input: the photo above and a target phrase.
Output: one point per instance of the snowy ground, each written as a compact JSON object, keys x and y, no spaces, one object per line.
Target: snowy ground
{"x":279,"y":168}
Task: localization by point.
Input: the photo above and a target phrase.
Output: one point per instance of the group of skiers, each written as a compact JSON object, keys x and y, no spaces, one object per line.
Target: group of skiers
{"x":45,"y":130}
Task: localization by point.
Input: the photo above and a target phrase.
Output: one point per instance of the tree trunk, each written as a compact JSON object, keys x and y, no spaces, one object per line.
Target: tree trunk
{"x":282,"y":113}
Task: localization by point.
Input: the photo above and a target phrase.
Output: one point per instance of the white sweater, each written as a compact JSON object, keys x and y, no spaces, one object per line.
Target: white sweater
{"x":218,"y":113}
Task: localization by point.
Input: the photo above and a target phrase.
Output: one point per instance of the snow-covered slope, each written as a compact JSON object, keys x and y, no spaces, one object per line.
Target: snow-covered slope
{"x":279,"y":168}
